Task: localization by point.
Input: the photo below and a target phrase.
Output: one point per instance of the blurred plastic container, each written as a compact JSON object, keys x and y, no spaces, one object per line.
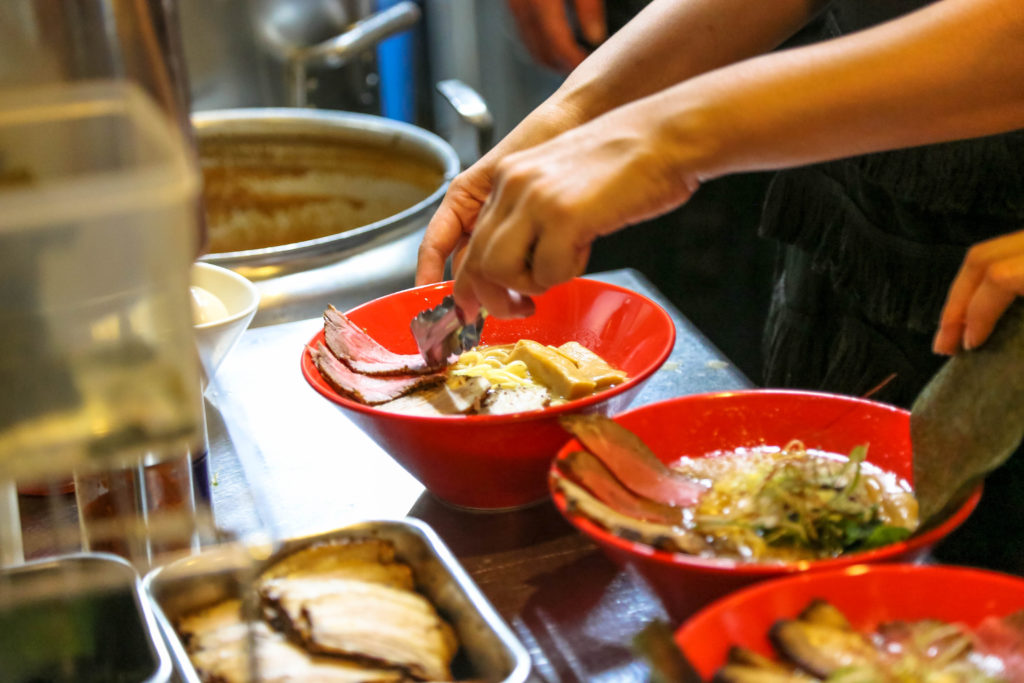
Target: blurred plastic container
{"x":79,"y":618}
{"x":97,"y":235}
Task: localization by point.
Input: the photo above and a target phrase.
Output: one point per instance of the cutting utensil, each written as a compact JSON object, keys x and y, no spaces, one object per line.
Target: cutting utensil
{"x":970,"y":417}
{"x":443,"y":332}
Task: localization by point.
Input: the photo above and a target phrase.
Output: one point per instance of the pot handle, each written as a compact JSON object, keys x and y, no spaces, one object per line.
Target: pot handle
{"x":471,"y":108}
{"x":335,"y":51}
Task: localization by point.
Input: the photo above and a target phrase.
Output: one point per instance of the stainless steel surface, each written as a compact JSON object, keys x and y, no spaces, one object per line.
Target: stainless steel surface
{"x":343,"y":47}
{"x":78,"y":617}
{"x":493,"y":652}
{"x":297,"y":280}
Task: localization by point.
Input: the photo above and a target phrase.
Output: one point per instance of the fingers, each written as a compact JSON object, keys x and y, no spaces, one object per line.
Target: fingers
{"x":592,"y":20}
{"x":991,"y":277}
{"x":988,"y":303}
{"x":950,"y":336}
{"x":495,"y":269}
{"x":556,"y":257}
{"x":544,"y":28}
{"x":452,"y":222}
{"x":441,"y":238}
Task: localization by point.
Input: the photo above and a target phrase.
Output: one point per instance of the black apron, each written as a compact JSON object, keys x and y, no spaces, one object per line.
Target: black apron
{"x":872,"y":244}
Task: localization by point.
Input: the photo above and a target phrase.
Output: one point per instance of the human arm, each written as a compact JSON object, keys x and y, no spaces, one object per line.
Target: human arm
{"x":669,"y":41}
{"x":952,"y":70}
{"x":990,"y":278}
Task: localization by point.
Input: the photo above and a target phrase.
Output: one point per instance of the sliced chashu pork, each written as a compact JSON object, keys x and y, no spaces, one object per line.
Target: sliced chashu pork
{"x":383,"y":624}
{"x":218,"y":640}
{"x":664,"y":536}
{"x":631,"y":461}
{"x":322,"y":558}
{"x":361,"y":352}
{"x":442,"y":399}
{"x":354,"y":598}
{"x":586,"y":470}
{"x":502,"y":401}
{"x":367,"y":389}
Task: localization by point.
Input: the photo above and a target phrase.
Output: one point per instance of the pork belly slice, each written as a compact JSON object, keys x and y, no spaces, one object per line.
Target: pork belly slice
{"x":395,"y":575}
{"x":325,"y":557}
{"x":441,"y":400}
{"x":365,"y":388}
{"x":217,"y":640}
{"x":382,"y":624}
{"x":502,"y":401}
{"x":361,"y":352}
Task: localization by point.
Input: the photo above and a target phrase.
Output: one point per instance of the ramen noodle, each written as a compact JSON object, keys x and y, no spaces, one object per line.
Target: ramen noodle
{"x":494,"y":364}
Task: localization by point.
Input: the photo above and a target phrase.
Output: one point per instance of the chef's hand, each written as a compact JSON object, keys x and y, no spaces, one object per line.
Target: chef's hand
{"x":991,"y":277}
{"x":544,"y":28}
{"x":448,"y":231}
{"x":550,"y":202}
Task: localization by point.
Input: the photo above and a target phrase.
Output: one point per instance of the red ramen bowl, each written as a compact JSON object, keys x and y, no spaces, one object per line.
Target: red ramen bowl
{"x":501,"y":461}
{"x":705,"y":423}
{"x":866,"y":595}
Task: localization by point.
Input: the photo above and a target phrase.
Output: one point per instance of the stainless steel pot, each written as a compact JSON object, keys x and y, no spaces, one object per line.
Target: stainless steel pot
{"x":271,"y":53}
{"x":318,"y":206}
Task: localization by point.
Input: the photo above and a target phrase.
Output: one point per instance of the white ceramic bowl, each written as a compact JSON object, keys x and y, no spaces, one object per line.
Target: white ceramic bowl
{"x":216,"y":338}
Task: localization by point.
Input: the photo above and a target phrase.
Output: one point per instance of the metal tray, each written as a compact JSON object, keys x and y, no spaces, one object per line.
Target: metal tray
{"x":490,"y":652}
{"x":80,"y":617}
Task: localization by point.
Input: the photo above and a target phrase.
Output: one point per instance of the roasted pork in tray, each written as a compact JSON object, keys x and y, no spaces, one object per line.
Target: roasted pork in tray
{"x":378,"y":601}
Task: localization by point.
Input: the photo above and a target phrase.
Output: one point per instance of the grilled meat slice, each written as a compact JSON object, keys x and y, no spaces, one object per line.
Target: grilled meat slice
{"x":503,"y":401}
{"x":323,"y":557}
{"x":382,"y":624}
{"x":819,"y":611}
{"x":218,"y":640}
{"x":663,"y":536}
{"x":587,"y":471}
{"x":441,"y":400}
{"x":632,"y":461}
{"x":822,"y":650}
{"x":361,"y":352}
{"x":365,"y":388}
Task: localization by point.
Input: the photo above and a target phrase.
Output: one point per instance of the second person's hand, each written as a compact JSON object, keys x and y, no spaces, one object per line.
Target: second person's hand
{"x":991,"y":277}
{"x":545,"y":29}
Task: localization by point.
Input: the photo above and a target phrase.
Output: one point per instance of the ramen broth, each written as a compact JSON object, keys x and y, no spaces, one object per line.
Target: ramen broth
{"x":792,"y":503}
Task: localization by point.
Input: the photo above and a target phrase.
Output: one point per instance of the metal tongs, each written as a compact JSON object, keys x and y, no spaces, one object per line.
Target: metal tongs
{"x":443,"y":332}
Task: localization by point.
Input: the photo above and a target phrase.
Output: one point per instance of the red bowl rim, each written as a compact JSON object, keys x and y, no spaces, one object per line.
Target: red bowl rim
{"x":722,"y":565}
{"x":313,"y":377}
{"x":736,"y":600}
